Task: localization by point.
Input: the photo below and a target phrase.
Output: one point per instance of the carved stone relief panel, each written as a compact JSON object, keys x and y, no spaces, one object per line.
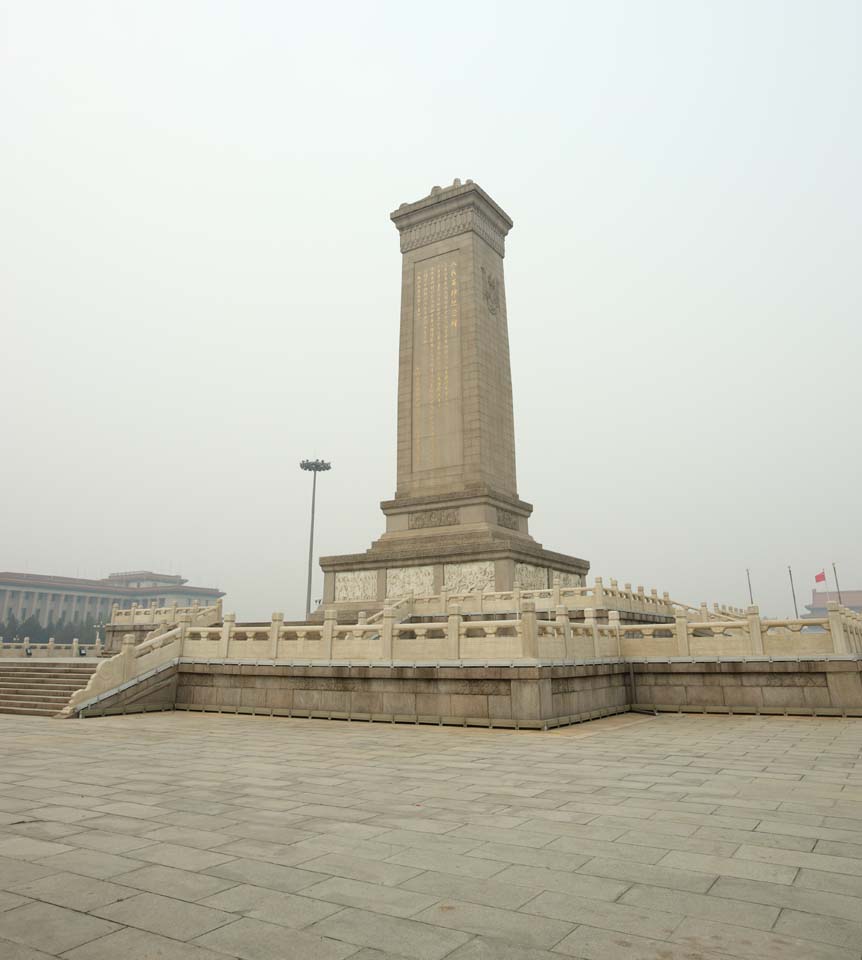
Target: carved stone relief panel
{"x":356,"y":585}
{"x":432,"y":518}
{"x":568,"y":579}
{"x":469,"y":577}
{"x":505,"y":518}
{"x":401,"y":581}
{"x":530,"y":577}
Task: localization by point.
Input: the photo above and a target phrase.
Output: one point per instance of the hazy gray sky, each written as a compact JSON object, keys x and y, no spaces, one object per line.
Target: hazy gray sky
{"x":200,"y":280}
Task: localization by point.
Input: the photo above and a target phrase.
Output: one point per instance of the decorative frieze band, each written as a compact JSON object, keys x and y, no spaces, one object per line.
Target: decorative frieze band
{"x":432,"y":518}
{"x":450,"y":225}
{"x":505,"y":518}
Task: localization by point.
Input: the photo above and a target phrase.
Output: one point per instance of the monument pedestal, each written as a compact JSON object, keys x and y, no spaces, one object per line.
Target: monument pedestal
{"x":456,"y":519}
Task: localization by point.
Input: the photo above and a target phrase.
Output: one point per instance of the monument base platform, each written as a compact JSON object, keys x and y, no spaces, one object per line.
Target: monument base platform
{"x":425,"y":566}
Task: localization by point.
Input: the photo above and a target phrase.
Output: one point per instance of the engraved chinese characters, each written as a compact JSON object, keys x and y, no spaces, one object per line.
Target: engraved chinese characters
{"x":437,"y":414}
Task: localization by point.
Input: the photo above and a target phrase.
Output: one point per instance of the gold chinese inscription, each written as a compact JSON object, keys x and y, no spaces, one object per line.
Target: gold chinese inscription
{"x":437,"y":426}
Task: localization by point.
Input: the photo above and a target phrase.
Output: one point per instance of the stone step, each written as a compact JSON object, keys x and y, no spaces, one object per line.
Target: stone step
{"x":36,"y":678}
{"x":37,"y":667}
{"x":55,"y":703}
{"x":41,"y":689}
{"x":47,"y":674}
{"x":36,"y":703}
{"x":28,"y":711}
{"x":6,"y":696}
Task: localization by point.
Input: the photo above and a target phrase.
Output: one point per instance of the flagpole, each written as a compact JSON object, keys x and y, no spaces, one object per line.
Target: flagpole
{"x":793,"y":591}
{"x":750,"y":594}
{"x":837,"y":587}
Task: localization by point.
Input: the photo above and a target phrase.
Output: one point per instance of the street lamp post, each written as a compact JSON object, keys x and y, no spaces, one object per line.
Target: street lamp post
{"x":315,"y":466}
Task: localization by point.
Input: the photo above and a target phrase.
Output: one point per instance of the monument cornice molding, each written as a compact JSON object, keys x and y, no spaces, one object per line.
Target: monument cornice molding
{"x":449,"y":212}
{"x":456,"y":499}
{"x":453,"y":550}
{"x":463,"y":220}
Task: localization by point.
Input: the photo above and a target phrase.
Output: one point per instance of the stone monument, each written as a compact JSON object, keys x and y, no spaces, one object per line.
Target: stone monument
{"x":456,"y":520}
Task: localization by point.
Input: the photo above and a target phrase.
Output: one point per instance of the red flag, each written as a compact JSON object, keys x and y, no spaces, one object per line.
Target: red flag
{"x":820,"y":577}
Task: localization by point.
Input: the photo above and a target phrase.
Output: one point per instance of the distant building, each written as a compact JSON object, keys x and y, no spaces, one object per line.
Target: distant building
{"x":72,"y":599}
{"x":849,"y":598}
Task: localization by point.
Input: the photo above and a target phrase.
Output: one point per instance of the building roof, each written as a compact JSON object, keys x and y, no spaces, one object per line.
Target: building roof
{"x":39,"y":581}
{"x":147,"y":575}
{"x":849,"y":598}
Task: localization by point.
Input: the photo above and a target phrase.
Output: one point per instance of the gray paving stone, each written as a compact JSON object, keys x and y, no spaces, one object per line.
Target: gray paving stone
{"x":171,"y":882}
{"x":10,"y":900}
{"x":842,"y":933}
{"x":505,"y":853}
{"x":797,"y":858}
{"x":188,"y":837}
{"x":806,"y":832}
{"x":260,"y":874}
{"x":653,"y":874}
{"x":73,"y":891}
{"x":831,"y":882}
{"x":665,"y":842}
{"x":142,"y":811}
{"x":266,"y":832}
{"x":164,"y":915}
{"x":587,"y":849}
{"x":129,"y":825}
{"x":272,"y":906}
{"x":174,"y":855}
{"x":491,"y":893}
{"x":830,"y":904}
{"x":599,"y":913}
{"x":725,"y":938}
{"x":731,"y":866}
{"x":485,"y":948}
{"x":430,"y":841}
{"x":756,"y":837}
{"x":49,"y":928}
{"x":388,"y":874}
{"x":838,"y":848}
{"x":711,"y":907}
{"x":531,"y":931}
{"x":521,"y":838}
{"x":105,"y":842}
{"x":255,"y":940}
{"x":285,"y":854}
{"x":425,"y":812}
{"x":27,"y":848}
{"x":562,"y":881}
{"x":393,"y":901}
{"x":419,"y":941}
{"x":13,"y":872}
{"x":41,"y":829}
{"x":132,"y":944}
{"x":319,"y":845}
{"x":89,"y":863}
{"x":18,"y":951}
{"x":423,"y":859}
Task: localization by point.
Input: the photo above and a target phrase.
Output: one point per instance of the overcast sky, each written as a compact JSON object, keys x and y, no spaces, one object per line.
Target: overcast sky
{"x":200,"y":282}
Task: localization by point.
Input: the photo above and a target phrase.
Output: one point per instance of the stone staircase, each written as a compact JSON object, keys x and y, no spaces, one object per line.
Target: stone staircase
{"x":41,"y":688}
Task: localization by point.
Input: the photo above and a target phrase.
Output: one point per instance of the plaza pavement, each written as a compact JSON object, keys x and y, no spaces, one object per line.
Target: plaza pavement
{"x":199,"y":837}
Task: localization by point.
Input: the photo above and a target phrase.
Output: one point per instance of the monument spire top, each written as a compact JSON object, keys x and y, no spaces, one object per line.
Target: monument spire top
{"x":448,"y":211}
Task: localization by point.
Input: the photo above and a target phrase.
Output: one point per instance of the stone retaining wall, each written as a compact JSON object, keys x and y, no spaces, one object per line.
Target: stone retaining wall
{"x":810,"y":686}
{"x":476,"y":696}
{"x":531,"y":697}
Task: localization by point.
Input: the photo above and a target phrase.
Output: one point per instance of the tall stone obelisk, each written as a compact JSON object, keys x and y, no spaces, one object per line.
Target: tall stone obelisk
{"x":456,"y":518}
